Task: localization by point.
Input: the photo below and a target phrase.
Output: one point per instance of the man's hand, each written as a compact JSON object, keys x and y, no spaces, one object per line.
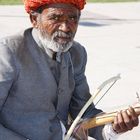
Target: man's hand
{"x":80,"y":133}
{"x":125,"y":120}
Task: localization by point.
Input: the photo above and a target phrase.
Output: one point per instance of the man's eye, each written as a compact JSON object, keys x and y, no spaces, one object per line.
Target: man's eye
{"x":73,"y":18}
{"x":56,"y":18}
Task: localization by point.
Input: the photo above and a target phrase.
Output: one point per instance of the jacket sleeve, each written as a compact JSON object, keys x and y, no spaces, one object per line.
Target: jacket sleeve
{"x":81,"y":93}
{"x":7,"y":75}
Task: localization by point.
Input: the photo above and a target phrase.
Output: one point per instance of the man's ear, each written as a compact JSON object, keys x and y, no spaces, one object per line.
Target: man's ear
{"x":33,"y":19}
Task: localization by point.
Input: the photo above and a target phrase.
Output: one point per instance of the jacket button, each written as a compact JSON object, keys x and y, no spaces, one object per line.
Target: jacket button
{"x":60,"y":90}
{"x":51,"y":130}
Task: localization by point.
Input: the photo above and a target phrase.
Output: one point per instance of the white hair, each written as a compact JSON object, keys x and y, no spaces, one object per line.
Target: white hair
{"x":51,"y":44}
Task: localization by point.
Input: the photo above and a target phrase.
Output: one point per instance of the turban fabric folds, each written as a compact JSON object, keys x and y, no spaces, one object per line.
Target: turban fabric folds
{"x":35,"y":4}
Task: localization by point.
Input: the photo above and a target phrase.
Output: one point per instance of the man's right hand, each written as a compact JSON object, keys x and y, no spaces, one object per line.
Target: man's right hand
{"x":80,"y":133}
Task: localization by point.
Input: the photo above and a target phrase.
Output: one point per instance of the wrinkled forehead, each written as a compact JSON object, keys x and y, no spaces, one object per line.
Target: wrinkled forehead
{"x":59,"y":7}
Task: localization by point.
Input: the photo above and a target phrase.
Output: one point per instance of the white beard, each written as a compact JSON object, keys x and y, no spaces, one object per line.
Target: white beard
{"x":53,"y":45}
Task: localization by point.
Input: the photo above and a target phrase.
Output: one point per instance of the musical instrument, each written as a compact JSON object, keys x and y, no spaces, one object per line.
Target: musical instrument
{"x":100,"y":119}
{"x":105,"y":118}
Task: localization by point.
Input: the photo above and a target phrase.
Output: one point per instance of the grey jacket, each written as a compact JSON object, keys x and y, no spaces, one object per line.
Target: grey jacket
{"x":31,"y":102}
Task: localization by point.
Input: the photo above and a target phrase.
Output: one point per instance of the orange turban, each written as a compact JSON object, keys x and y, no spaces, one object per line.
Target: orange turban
{"x":34,"y":4}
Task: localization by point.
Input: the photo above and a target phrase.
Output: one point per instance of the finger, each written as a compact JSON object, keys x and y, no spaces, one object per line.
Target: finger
{"x":77,"y":137}
{"x":134,"y":116}
{"x":80,"y":133}
{"x":128,"y":122}
{"x":86,"y":132}
{"x":121,"y":121}
{"x":83,"y":134}
{"x":116,"y":126}
{"x":76,"y":133}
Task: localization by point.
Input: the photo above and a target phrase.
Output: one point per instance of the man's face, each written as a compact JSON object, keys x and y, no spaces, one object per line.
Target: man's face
{"x":58,"y":23}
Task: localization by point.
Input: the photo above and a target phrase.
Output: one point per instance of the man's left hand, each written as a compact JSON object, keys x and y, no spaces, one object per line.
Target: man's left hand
{"x":125,"y":120}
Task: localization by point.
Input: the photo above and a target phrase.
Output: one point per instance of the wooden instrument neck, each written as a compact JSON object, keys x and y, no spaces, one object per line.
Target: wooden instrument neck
{"x":103,"y":119}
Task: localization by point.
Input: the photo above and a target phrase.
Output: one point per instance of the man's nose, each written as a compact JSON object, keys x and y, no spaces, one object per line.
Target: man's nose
{"x":64,"y":26}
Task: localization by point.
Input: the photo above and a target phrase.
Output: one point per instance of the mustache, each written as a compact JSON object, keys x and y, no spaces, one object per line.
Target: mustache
{"x":63,"y":34}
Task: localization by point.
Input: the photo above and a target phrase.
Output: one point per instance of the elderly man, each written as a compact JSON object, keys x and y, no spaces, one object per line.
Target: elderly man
{"x":42,"y":77}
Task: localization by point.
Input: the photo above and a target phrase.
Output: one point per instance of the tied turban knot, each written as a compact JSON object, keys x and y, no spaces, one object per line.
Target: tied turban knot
{"x":35,"y":4}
